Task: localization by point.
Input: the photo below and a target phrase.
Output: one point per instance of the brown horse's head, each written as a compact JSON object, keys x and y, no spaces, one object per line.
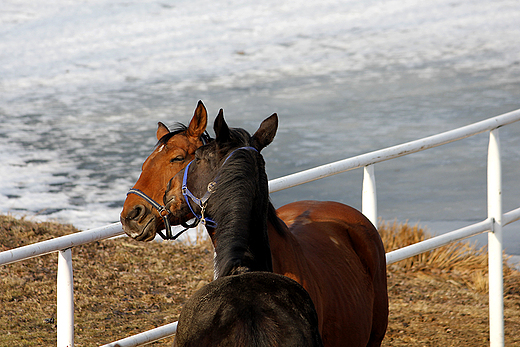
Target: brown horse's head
{"x":173,"y":152}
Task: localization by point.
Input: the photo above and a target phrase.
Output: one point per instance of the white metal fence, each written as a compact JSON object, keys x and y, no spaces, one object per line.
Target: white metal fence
{"x":492,"y":224}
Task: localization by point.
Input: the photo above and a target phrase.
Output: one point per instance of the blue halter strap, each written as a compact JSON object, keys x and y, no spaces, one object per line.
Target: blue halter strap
{"x":202,"y":202}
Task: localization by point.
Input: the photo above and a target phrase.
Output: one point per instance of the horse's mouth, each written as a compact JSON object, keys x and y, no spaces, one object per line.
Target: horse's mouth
{"x":149,"y":231}
{"x":144,"y":233}
{"x":178,"y":210}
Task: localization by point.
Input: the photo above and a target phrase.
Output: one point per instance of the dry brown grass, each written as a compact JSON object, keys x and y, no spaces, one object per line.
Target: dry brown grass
{"x":123,"y":287}
{"x":461,"y":255}
{"x":439,"y":298}
{"x":462,"y":259}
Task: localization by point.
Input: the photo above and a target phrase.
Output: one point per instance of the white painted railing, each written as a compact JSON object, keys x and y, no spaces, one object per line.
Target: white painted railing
{"x":492,"y":224}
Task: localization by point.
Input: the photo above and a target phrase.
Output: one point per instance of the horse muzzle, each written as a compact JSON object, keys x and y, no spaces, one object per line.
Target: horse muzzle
{"x":139,"y":223}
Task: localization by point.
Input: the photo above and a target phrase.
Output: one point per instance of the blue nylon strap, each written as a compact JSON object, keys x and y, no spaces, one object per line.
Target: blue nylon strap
{"x":202,"y":201}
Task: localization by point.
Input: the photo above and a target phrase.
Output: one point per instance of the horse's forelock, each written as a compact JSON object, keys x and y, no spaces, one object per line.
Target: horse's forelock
{"x":177,"y":129}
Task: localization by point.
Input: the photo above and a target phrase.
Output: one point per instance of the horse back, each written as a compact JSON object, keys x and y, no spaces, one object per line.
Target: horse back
{"x":354,"y":228}
{"x":346,"y":269}
{"x":251,"y":309}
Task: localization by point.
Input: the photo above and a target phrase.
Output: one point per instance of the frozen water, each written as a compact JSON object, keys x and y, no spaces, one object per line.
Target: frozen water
{"x":84,"y":83}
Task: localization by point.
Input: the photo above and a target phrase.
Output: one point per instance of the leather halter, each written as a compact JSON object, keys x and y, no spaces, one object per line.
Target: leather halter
{"x":163,"y":212}
{"x":202,"y":202}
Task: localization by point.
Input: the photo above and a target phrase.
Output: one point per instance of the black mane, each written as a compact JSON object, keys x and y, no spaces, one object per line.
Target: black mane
{"x":239,"y":205}
{"x":242,"y":138}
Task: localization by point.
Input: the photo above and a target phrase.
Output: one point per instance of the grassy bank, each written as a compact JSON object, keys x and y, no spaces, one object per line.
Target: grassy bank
{"x":123,"y":287}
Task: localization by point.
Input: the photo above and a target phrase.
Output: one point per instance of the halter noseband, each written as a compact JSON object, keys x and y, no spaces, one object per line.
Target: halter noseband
{"x":202,"y":202}
{"x":163,"y":212}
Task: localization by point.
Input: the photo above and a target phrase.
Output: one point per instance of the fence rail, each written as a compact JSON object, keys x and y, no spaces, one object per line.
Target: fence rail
{"x":370,"y":158}
{"x":492,"y":224}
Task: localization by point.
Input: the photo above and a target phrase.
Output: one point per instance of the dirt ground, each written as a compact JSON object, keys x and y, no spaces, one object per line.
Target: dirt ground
{"x":123,"y":287}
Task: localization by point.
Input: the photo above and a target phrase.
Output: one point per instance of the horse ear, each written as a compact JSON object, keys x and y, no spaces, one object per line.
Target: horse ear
{"x":221,"y":128}
{"x":199,"y":121}
{"x":162,"y":130}
{"x":266,"y":132}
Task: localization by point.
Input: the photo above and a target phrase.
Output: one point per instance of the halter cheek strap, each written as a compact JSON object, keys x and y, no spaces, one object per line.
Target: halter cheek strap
{"x":202,"y":202}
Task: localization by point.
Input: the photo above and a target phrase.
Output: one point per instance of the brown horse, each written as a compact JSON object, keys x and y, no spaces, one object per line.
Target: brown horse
{"x":141,"y":216}
{"x":311,"y":258}
{"x":330,"y":248}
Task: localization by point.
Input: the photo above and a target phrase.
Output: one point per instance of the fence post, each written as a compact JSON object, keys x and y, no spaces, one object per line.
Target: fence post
{"x":369,"y":196}
{"x":496,"y":285}
{"x":65,"y":300}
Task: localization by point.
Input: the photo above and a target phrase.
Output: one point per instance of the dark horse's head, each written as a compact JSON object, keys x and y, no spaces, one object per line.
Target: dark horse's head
{"x":226,"y":185}
{"x":175,"y":149}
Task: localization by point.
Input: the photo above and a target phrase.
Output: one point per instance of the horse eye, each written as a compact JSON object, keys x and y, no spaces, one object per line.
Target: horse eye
{"x":177,"y":159}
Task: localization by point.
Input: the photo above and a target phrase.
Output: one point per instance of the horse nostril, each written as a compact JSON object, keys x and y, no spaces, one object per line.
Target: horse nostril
{"x":136,"y":213}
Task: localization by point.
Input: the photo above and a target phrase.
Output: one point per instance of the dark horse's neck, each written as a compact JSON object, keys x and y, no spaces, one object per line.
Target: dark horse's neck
{"x":239,"y":206}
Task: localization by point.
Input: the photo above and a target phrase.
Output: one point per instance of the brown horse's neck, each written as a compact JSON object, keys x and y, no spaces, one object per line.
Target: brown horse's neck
{"x":287,"y":253}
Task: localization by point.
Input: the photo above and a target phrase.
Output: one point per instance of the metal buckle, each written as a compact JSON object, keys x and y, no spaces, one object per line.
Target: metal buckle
{"x":211,"y":186}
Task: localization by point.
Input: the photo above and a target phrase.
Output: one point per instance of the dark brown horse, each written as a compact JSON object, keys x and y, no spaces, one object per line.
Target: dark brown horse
{"x":251,"y":309}
{"x":330,"y":248}
{"x":245,"y":306}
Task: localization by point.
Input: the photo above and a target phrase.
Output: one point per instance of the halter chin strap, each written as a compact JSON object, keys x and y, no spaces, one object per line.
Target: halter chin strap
{"x":202,"y":202}
{"x":163,"y":212}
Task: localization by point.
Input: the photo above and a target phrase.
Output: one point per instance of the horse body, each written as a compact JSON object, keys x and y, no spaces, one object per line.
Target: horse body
{"x":244,"y":306}
{"x":330,"y":248}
